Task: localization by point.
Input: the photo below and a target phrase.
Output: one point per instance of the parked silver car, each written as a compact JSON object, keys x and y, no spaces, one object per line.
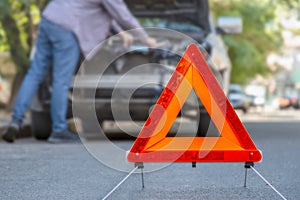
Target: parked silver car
{"x":238,"y":98}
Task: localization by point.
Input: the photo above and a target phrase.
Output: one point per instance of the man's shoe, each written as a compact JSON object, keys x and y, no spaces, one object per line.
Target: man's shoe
{"x":63,"y":137}
{"x":9,"y":134}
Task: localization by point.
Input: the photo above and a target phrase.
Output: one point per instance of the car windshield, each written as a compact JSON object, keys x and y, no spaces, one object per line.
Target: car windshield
{"x":173,"y":25}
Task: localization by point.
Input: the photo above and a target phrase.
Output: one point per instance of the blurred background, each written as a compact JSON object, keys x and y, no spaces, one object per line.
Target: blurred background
{"x":265,"y":56}
{"x":255,"y":46}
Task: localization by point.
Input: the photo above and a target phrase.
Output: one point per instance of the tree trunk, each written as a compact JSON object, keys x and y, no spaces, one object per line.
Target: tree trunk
{"x":30,"y":28}
{"x":42,"y":4}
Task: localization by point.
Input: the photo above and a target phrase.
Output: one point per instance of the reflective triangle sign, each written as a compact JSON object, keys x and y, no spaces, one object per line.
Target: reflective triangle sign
{"x":152,"y":143}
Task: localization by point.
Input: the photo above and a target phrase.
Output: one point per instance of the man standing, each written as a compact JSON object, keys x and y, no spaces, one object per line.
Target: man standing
{"x":67,"y":26}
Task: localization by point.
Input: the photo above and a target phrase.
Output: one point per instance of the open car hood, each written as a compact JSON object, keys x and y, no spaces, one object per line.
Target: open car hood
{"x":194,"y":11}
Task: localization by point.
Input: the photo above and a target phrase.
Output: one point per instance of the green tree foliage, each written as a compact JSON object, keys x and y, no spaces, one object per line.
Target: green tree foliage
{"x":17,"y":34}
{"x":12,"y":33}
{"x":290,"y":4}
{"x":260,"y":36}
{"x":290,"y":8}
{"x":18,"y":20}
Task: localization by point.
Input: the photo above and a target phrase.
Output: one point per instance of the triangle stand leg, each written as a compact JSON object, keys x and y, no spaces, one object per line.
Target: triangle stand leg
{"x":247,"y":166}
{"x":140,"y":165}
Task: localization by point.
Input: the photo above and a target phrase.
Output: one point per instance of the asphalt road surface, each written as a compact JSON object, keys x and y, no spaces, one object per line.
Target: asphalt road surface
{"x":31,"y":169}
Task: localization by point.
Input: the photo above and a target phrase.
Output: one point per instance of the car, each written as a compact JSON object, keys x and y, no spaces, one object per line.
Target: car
{"x":284,"y":102}
{"x":94,"y":94}
{"x":294,"y":100}
{"x":238,"y":98}
{"x":290,"y":99}
{"x":257,"y":95}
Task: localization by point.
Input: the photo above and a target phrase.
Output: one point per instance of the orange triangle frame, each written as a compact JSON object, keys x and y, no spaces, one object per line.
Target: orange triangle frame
{"x":152,"y":143}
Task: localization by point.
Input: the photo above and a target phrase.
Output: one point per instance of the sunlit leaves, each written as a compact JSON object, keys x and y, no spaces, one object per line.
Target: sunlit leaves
{"x":261,"y":35}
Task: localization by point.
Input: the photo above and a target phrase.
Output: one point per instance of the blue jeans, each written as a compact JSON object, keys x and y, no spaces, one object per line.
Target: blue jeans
{"x":58,"y":47}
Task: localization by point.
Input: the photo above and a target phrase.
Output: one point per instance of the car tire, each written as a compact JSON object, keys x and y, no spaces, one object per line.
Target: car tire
{"x":41,"y":124}
{"x":206,"y":127}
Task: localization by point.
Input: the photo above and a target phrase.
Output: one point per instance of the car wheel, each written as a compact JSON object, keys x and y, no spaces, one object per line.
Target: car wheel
{"x":41,"y":124}
{"x":206,"y":127}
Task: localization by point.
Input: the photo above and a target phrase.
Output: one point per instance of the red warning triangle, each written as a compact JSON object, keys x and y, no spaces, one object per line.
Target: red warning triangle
{"x":152,"y":143}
